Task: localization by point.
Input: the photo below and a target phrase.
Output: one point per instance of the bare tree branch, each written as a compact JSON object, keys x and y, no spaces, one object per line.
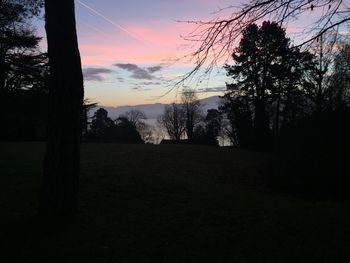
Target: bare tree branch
{"x":214,"y":40}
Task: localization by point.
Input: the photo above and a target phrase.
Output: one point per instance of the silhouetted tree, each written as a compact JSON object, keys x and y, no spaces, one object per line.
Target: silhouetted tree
{"x":313,"y":153}
{"x":124,"y":131}
{"x":213,"y":122}
{"x":87,"y":107}
{"x":340,"y":79}
{"x":238,"y":120}
{"x":100,"y":124}
{"x":317,"y":84}
{"x":59,"y":192}
{"x":173,"y":120}
{"x":17,"y":39}
{"x":264,"y":61}
{"x":19,"y":55}
{"x":104,"y":129}
{"x":208,"y":132}
{"x":137,"y":117}
{"x":23,"y":73}
{"x":193,"y":112}
{"x":25,"y":98}
{"x":289,"y":100}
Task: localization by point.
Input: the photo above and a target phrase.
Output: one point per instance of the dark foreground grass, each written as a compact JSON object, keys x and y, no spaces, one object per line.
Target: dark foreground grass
{"x":165,"y":204}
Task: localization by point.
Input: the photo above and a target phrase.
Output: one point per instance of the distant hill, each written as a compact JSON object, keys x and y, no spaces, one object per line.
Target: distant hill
{"x":152,"y":111}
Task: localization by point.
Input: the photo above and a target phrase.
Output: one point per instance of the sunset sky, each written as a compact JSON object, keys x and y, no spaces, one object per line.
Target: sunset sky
{"x":128,"y":48}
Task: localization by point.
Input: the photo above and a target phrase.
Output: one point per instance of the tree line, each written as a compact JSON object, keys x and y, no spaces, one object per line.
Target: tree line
{"x":179,"y":124}
{"x":291,"y":102}
{"x":275,"y":84}
{"x":125,"y":129}
{"x":185,"y":122}
{"x":294,"y":104}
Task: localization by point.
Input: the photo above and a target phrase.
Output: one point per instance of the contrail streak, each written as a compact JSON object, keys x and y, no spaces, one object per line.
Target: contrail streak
{"x":94,"y":28}
{"x":110,"y":21}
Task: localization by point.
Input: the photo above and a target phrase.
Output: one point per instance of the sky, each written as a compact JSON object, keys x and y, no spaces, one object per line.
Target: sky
{"x":128,"y":49}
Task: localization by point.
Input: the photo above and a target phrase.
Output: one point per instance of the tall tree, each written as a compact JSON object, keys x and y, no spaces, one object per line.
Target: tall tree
{"x":99,"y":125}
{"x":258,"y":60}
{"x":193,"y":111}
{"x":59,"y":192}
{"x":266,"y":71}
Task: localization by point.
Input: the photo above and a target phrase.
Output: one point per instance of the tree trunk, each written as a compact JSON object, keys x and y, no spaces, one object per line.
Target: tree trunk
{"x":59,"y":192}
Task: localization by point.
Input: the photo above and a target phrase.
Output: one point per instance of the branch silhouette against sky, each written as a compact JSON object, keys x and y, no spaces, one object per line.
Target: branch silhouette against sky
{"x":178,"y":39}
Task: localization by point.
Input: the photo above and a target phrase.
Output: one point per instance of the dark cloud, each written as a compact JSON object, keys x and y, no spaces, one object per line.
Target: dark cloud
{"x":120,"y":79}
{"x":94,"y":74}
{"x":127,"y":66}
{"x":138,"y":72}
{"x":154,"y":69}
{"x":148,"y":83}
{"x":213,"y":89}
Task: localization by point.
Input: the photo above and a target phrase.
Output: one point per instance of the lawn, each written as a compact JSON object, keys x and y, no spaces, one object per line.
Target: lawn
{"x":143,"y":203}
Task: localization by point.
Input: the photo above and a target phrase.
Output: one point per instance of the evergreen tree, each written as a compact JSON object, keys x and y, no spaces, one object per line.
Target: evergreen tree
{"x":266,"y":72}
{"x":23,"y":73}
{"x":99,"y":125}
{"x":17,"y":38}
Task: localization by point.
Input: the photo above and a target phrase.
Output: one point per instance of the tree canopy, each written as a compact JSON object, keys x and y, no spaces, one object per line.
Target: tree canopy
{"x":174,"y":121}
{"x":123,"y":130}
{"x":19,"y":55}
{"x":266,"y":77}
{"x":24,"y":72}
{"x":192,"y":109}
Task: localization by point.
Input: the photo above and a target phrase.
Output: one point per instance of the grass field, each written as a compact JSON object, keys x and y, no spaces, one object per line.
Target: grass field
{"x":141,"y":203}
